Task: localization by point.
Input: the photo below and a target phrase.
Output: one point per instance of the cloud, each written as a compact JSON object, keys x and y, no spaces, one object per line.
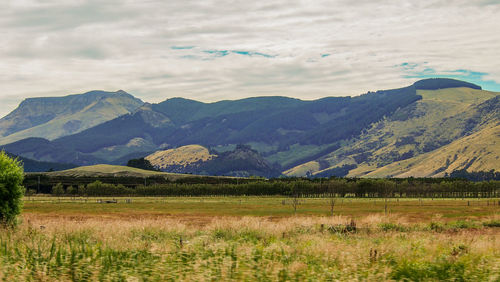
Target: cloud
{"x":211,"y":50}
{"x":181,"y":47}
{"x":213,"y":54}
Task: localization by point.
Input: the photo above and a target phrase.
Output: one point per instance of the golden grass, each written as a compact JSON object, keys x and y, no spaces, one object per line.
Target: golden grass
{"x":247,"y":248}
{"x":181,"y":156}
{"x":238,"y":238}
{"x":303,"y":169}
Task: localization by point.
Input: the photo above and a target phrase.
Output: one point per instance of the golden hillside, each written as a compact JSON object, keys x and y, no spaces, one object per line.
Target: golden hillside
{"x":181,"y":156}
{"x":477,"y":152}
{"x":303,"y":169}
{"x":424,"y":138}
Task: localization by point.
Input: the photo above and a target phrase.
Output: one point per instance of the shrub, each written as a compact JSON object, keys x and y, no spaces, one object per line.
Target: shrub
{"x":392,"y":227}
{"x":439,"y":270}
{"x":11,"y":190}
{"x":436,"y":226}
{"x":462,"y":224}
{"x":492,"y":223}
{"x":342,"y":229}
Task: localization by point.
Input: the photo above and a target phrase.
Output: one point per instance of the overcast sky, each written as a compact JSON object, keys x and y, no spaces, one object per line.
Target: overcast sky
{"x":213,"y":50}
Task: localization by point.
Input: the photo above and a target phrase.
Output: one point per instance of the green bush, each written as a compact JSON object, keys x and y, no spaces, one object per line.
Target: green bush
{"x":439,"y":270}
{"x":387,"y":226}
{"x":436,"y":226}
{"x":492,"y":223}
{"x":11,"y":189}
{"x":462,"y":224}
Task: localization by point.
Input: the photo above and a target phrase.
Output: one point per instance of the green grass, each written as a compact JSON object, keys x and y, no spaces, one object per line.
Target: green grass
{"x":261,"y":206}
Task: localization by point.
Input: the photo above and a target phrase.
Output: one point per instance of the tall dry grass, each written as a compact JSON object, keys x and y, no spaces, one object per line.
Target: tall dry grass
{"x":250,"y":248}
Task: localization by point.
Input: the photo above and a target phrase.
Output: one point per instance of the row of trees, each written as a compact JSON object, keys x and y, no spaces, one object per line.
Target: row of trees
{"x":363,"y":188}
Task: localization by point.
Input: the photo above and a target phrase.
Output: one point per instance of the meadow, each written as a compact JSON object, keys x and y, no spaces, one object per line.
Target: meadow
{"x":252,"y":239}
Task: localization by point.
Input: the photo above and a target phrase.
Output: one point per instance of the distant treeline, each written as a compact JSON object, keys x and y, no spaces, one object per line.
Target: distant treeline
{"x":43,"y":183}
{"x":361,"y":188}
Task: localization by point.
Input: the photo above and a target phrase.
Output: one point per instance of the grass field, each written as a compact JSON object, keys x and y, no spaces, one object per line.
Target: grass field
{"x":252,"y":238}
{"x":151,"y":207}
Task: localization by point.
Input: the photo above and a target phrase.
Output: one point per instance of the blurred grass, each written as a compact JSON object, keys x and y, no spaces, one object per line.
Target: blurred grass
{"x":252,"y":239}
{"x":379,"y":248}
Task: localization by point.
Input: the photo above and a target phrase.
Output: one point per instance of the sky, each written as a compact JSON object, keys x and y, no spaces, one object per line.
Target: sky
{"x":213,"y":50}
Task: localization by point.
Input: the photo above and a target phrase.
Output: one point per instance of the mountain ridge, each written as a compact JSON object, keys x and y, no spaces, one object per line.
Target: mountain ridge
{"x":339,"y":136}
{"x":276,"y":126}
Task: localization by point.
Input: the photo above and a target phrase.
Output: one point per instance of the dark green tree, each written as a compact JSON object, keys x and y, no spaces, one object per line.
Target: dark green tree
{"x":58,"y":189}
{"x":11,"y":189}
{"x":71,"y":190}
{"x":141,"y":163}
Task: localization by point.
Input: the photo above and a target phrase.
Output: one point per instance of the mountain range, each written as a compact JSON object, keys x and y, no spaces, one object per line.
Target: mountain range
{"x":430,"y":128}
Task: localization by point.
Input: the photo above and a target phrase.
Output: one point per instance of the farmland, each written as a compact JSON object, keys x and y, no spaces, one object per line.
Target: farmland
{"x":253,"y":238}
{"x":206,"y":207}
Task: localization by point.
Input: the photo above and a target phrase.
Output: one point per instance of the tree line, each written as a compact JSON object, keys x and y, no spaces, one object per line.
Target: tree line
{"x":359,"y":188}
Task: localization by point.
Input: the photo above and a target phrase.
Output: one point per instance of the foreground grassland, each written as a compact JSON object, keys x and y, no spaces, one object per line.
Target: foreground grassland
{"x":253,"y":239}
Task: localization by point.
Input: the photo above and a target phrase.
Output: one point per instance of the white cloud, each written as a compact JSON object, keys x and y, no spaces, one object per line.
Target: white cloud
{"x":61,"y":47}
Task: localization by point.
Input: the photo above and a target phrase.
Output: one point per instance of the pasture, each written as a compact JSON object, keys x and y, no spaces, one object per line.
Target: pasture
{"x":150,"y":207}
{"x":252,"y":238}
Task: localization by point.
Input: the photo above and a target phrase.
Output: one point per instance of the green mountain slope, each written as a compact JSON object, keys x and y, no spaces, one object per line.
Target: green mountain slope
{"x":54,"y":117}
{"x":421,"y":134}
{"x":30,"y":165}
{"x":181,"y":110}
{"x":277,"y":124}
{"x":44,"y":150}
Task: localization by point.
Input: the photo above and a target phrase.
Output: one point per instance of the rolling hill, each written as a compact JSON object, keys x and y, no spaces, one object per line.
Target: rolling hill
{"x":53,"y":117}
{"x":106,"y":171}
